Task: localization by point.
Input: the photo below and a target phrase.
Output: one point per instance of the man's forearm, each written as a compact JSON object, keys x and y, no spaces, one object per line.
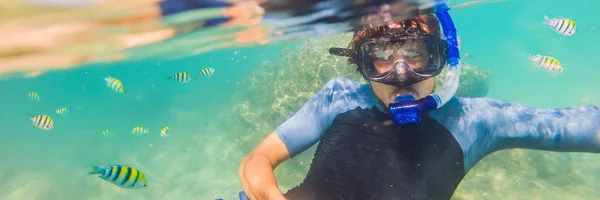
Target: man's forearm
{"x":258,"y":179}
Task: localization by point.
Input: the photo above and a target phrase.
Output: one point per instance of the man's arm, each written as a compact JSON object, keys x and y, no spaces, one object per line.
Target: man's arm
{"x":575,"y":129}
{"x":256,"y":170}
{"x":298,"y":133}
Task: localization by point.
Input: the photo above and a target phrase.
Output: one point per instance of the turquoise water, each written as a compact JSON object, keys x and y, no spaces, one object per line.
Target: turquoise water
{"x":214,"y":122}
{"x":500,"y":36}
{"x":64,"y":154}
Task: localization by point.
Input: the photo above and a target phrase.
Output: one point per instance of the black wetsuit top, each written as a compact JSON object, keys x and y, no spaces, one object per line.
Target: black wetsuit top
{"x":419,"y":161}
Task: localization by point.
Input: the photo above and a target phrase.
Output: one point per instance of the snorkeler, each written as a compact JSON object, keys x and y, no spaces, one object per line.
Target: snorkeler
{"x":392,"y":138}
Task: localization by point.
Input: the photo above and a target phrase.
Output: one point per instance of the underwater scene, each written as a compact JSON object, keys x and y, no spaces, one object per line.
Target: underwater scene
{"x":180,"y":114}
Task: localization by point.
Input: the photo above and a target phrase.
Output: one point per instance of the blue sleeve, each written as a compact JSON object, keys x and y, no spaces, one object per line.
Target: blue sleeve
{"x":307,"y":126}
{"x":482,"y":126}
{"x":575,"y":129}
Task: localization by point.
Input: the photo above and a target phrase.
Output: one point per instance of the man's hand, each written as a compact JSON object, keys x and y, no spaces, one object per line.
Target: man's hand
{"x":256,"y":170}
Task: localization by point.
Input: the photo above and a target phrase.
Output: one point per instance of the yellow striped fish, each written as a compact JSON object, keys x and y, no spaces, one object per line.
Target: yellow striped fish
{"x":122,"y":176}
{"x":43,"y":122}
{"x":139,"y":130}
{"x":62,"y":111}
{"x":182,"y":77}
{"x":114,"y":84}
{"x":164,"y":131}
{"x":206,"y":72}
{"x":562,"y":26}
{"x":106,"y":132}
{"x":548,"y":63}
{"x":34,"y":96}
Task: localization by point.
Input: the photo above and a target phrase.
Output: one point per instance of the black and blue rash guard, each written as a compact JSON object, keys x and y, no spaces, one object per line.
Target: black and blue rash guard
{"x":363,"y":155}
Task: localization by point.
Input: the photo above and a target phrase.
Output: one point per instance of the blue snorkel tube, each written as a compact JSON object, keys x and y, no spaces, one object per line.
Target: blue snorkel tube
{"x":408,"y":111}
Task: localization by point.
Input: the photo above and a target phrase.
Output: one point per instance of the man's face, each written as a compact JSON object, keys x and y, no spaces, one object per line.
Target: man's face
{"x":415,"y":55}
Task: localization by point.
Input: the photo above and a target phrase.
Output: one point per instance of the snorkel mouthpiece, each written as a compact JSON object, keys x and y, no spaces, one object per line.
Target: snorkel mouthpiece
{"x":408,"y":111}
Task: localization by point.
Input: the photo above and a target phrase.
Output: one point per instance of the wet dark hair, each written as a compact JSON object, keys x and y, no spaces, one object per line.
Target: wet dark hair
{"x":418,"y":26}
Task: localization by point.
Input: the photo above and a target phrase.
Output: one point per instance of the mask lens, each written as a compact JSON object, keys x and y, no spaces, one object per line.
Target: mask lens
{"x":424,"y":56}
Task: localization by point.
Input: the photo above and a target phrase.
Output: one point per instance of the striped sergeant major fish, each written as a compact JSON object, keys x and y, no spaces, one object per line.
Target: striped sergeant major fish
{"x":34,"y":96}
{"x":562,"y":26}
{"x":106,"y":132}
{"x":122,"y":176}
{"x":43,"y":122}
{"x":182,"y":77}
{"x":114,"y":84}
{"x":62,"y":111}
{"x":164,"y":131}
{"x":548,"y":63}
{"x":206,"y":72}
{"x":138,"y":130}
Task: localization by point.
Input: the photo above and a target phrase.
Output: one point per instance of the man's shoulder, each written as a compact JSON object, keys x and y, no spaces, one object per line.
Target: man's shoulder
{"x":456,"y":106}
{"x":346,"y":84}
{"x":346,"y":94}
{"x":470,"y":109}
{"x":480,"y":102}
{"x":308,"y":125}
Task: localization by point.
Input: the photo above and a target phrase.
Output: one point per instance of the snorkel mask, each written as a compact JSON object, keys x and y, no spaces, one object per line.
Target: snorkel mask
{"x":397,"y":61}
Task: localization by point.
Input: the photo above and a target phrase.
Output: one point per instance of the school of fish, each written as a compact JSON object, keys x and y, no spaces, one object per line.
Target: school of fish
{"x":138,"y":130}
{"x":119,"y":175}
{"x":185,"y":77}
{"x":562,"y":26}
